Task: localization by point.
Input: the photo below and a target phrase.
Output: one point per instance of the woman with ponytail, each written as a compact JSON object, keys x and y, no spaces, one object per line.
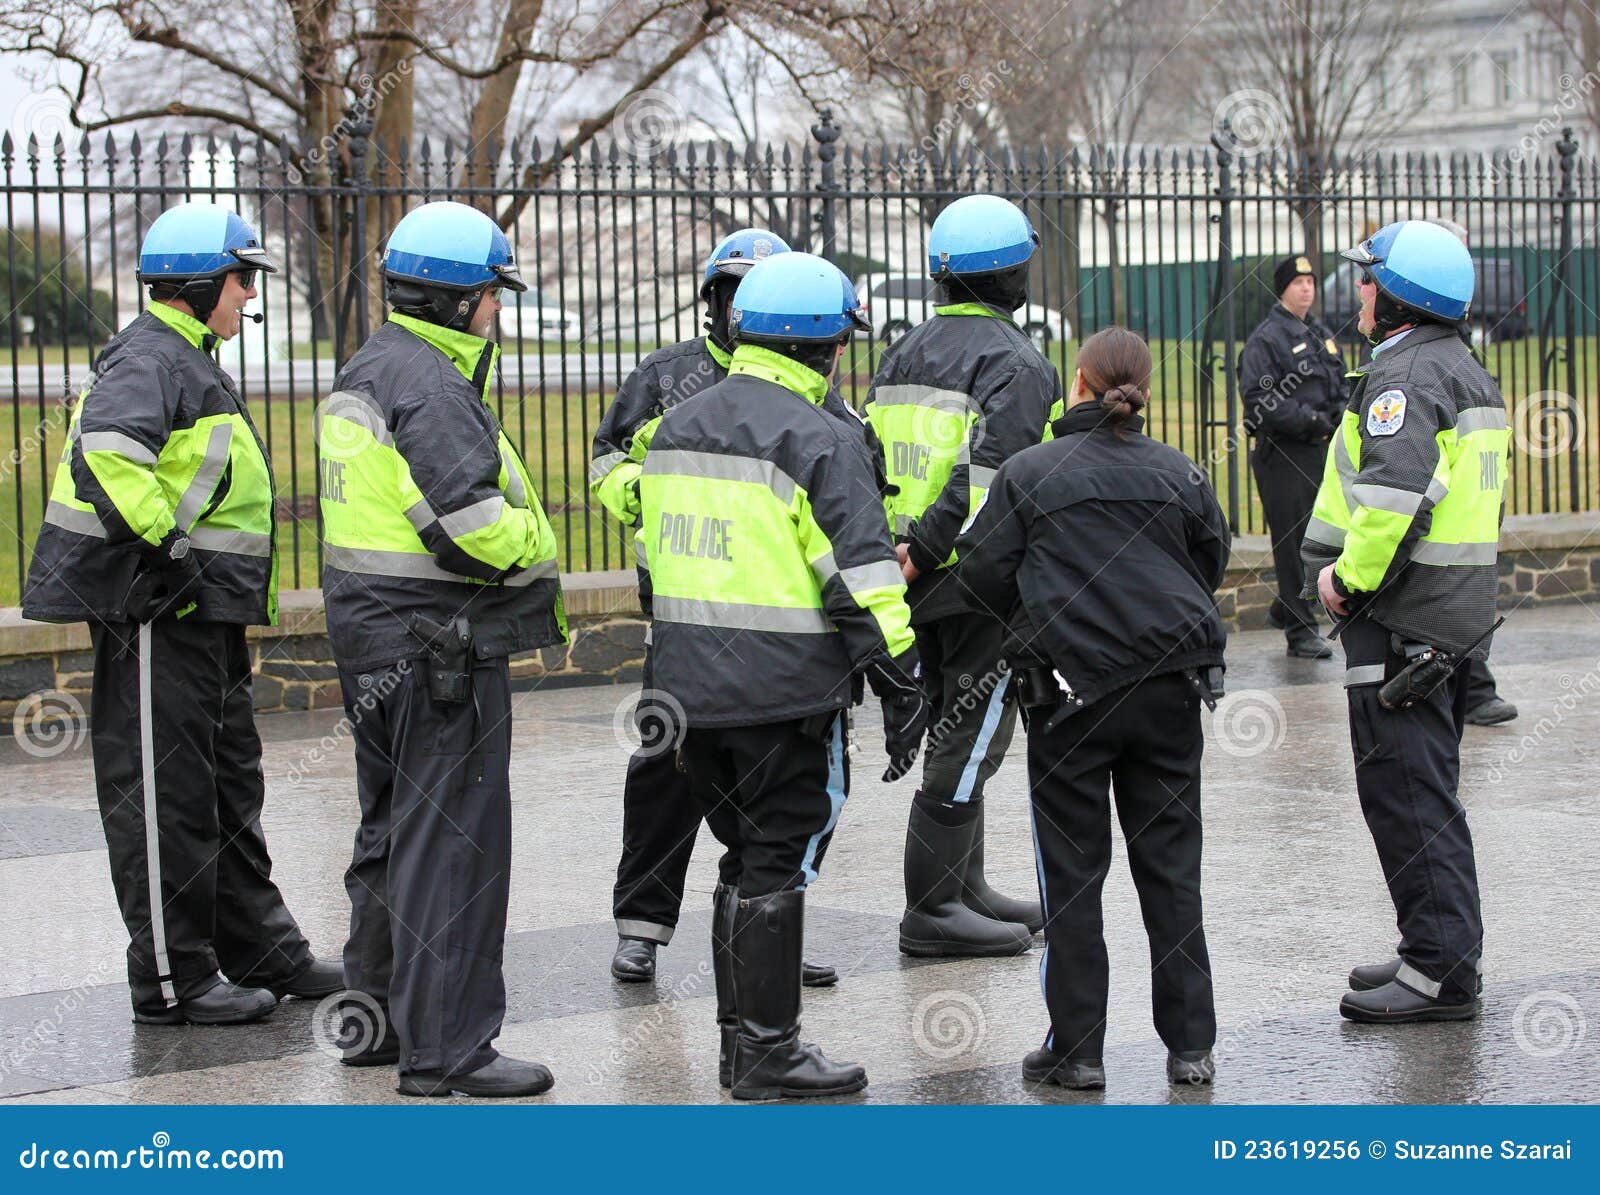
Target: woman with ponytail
{"x":1103,"y":550}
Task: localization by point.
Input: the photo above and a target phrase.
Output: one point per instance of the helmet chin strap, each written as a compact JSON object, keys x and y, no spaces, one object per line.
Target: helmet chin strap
{"x":451,"y":309}
{"x":717,"y":309}
{"x":1389,"y":316}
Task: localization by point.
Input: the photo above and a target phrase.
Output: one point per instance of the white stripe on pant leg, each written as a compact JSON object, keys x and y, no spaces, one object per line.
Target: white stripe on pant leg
{"x":1038,"y":864}
{"x":980,"y":745}
{"x":152,"y":830}
{"x":836,"y":796}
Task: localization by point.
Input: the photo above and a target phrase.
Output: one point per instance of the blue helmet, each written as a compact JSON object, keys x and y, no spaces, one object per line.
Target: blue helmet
{"x":453,"y":246}
{"x":737,"y":252}
{"x":979,"y":234}
{"x":193,"y":241}
{"x":1419,"y":265}
{"x":795,"y":297}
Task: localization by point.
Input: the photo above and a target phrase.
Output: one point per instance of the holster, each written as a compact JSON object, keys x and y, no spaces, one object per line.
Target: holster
{"x":449,"y":658}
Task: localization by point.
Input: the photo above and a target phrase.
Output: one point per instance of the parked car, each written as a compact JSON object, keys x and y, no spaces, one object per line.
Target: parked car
{"x":541,"y":317}
{"x":1499,"y":302}
{"x":896,"y":303}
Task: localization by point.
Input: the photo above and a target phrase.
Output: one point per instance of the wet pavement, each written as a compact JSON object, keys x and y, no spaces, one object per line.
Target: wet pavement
{"x":1292,"y":887}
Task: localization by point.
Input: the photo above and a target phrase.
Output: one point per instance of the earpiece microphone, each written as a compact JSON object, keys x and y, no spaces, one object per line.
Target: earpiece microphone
{"x":255,"y":315}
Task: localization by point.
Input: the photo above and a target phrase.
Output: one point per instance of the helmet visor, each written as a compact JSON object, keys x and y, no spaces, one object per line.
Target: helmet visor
{"x":510,"y":277}
{"x":255,"y":258}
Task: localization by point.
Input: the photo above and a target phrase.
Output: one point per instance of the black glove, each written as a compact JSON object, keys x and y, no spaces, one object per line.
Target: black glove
{"x":166,"y":581}
{"x":897,"y":682}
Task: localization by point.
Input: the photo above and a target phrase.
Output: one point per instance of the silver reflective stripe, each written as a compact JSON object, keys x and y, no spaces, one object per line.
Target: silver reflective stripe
{"x":722,"y":467}
{"x":239,"y":543}
{"x":516,"y":492}
{"x":639,"y":556}
{"x":902,"y":524}
{"x":473,"y":518}
{"x":1417,"y":981}
{"x":152,"y":828}
{"x":602,"y":465}
{"x":419,"y":514}
{"x":354,"y":407}
{"x":84,"y":522}
{"x":880,"y":574}
{"x":120,"y":444}
{"x":647,"y":634}
{"x":1386,"y":497}
{"x":1480,"y":419}
{"x":740,"y":616}
{"x":206,"y":477}
{"x":1428,"y":552}
{"x":420,"y":566}
{"x":1437,"y":491}
{"x":980,"y":477}
{"x":1366,"y":674}
{"x":648,"y":930}
{"x":952,"y":402}
{"x":1323,"y":532}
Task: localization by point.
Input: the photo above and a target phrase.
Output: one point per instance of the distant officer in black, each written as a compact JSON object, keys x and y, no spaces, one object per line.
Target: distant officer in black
{"x":1105,"y":549}
{"x":1292,"y":379}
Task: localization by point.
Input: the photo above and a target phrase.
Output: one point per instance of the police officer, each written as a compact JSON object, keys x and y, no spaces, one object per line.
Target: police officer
{"x":1402,"y":546}
{"x":952,"y":400}
{"x":1106,"y":549}
{"x":1292,"y":380}
{"x":438,"y":563}
{"x":773,"y":581}
{"x":159,"y":532}
{"x":1485,"y":706}
{"x":660,"y":817}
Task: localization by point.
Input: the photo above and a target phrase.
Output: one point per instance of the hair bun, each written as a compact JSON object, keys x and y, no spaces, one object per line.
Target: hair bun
{"x":1128,"y":393}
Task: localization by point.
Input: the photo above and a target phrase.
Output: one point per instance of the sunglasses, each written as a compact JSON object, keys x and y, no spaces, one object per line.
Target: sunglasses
{"x":247,"y":278}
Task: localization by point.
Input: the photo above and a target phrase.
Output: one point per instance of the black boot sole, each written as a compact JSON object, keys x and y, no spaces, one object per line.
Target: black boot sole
{"x":441,"y":1089}
{"x":372,"y":1058}
{"x":176,"y":1017}
{"x":826,"y":980}
{"x":780,"y":1092}
{"x":1441,"y":1012}
{"x":632,"y":976}
{"x":1054,"y":1079}
{"x":916,"y":949}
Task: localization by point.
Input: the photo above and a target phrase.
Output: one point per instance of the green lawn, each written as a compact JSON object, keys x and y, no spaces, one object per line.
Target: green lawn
{"x":555,"y":432}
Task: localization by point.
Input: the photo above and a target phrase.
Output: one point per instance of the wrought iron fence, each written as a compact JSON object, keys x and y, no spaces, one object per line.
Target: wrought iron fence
{"x":1178,"y":244}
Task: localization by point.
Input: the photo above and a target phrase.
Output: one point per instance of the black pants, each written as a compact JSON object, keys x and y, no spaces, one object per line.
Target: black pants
{"x":431,"y":874}
{"x":1288,"y":473}
{"x":1479,"y":684}
{"x":177,"y":764}
{"x":1144,"y":741}
{"x":973,"y":713}
{"x":1408,"y":765}
{"x":772,"y":795}
{"x":660,"y":821}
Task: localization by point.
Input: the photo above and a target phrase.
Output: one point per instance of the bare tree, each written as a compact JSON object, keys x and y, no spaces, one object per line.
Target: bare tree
{"x":1317,"y":78}
{"x":1575,"y":26}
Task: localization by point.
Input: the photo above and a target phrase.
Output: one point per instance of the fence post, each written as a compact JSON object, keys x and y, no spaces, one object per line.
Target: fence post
{"x":358,"y":120}
{"x":1567,"y":147}
{"x":1221,"y":300}
{"x":826,"y":133}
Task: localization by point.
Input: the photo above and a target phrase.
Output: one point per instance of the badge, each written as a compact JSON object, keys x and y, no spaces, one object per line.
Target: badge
{"x":1301,"y":347}
{"x":1387,"y":414}
{"x":762,"y":248}
{"x":1333,"y":349}
{"x":1303,"y":264}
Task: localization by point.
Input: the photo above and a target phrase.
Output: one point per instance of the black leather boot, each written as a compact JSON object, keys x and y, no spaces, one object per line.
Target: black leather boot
{"x":1078,"y":1074}
{"x":723,"y":900}
{"x":818,"y":975}
{"x":981,"y":898}
{"x":769,"y":1059}
{"x":500,"y":1079}
{"x":1373,"y":975}
{"x":1396,"y":1004}
{"x":634,"y":961}
{"x":222,"y":1003}
{"x":315,"y":980}
{"x":1191,"y":1068}
{"x":937,"y":920}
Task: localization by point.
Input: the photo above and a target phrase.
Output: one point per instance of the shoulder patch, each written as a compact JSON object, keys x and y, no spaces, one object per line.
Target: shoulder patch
{"x":1387,"y":414}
